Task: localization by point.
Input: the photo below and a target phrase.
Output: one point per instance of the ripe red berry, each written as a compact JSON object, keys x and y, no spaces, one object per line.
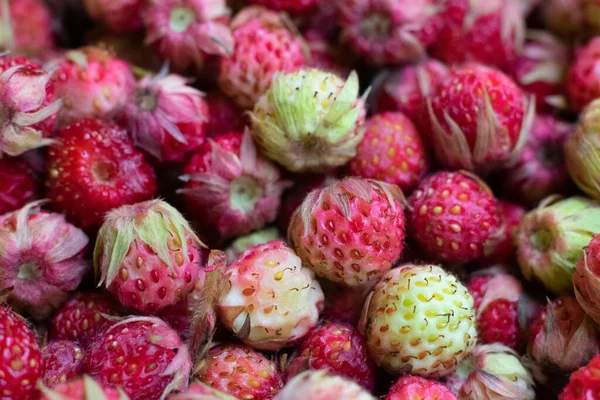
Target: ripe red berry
{"x":584,"y":383}
{"x":18,"y":185}
{"x":63,"y":360}
{"x":583,"y":80}
{"x":94,"y":169}
{"x":454,"y":217}
{"x":415,"y":387}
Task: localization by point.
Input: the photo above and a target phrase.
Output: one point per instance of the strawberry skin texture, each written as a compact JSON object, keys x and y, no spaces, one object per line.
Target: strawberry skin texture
{"x":454,"y":217}
{"x":20,"y":358}
{"x":583,"y":79}
{"x":18,"y":185}
{"x":415,"y":387}
{"x":63,"y":360}
{"x":584,"y":383}
{"x":95,"y":169}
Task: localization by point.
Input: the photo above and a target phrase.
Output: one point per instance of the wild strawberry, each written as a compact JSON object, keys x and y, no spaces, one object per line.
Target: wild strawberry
{"x":18,"y":184}
{"x":28,"y":106}
{"x":240,"y":371}
{"x":506,"y":249}
{"x":490,"y":32}
{"x":265,"y":43}
{"x":342,"y":304}
{"x":407,"y":88}
{"x":310,"y":120}
{"x":245,"y":189}
{"x":62,"y":360}
{"x":583,"y":80}
{"x":454,"y":217}
{"x":551,"y":240}
{"x":26,"y":27}
{"x":201,"y":391}
{"x":41,"y":258}
{"x":563,"y":337}
{"x":94,"y":169}
{"x":146,"y":255}
{"x":391,"y":31}
{"x":497,"y":298}
{"x":492,"y":372}
{"x":297,"y":6}
{"x":166,"y":117}
{"x":186,"y":32}
{"x":92,"y":84}
{"x":337,"y":348}
{"x":583,"y":383}
{"x":479,"y":118}
{"x":20,"y":358}
{"x":391,"y":151}
{"x":82,"y":317}
{"x":351,"y":232}
{"x":541,"y":69}
{"x":415,"y":387}
{"x":540,"y":169}
{"x":83,"y":388}
{"x":585,"y":279}
{"x":319,"y":385}
{"x":117,"y":15}
{"x":413,"y":302}
{"x":265,"y":313}
{"x":563,"y":17}
{"x":223,"y":116}
{"x":142,"y":355}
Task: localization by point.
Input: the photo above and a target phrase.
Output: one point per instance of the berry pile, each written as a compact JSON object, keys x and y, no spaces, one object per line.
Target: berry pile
{"x":300,"y":199}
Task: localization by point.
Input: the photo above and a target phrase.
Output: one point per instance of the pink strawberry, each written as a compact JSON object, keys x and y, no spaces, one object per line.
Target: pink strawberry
{"x":497,"y":296}
{"x":490,"y":32}
{"x":541,"y":69}
{"x":18,"y":185}
{"x":83,"y":316}
{"x":146,"y":255}
{"x":186,"y":32}
{"x":337,"y":348}
{"x":29,"y":29}
{"x":406,"y":90}
{"x":20,"y":358}
{"x":479,"y":117}
{"x":298,"y":6}
{"x":350,"y":232}
{"x":62,"y":360}
{"x":231,"y":189}
{"x":415,"y":387}
{"x":265,"y":43}
{"x":454,"y":217}
{"x":84,"y":388}
{"x":584,"y":383}
{"x":94,"y":169}
{"x":583,"y":80}
{"x":117,"y":15}
{"x":28,"y":104}
{"x":391,"y":151}
{"x":539,"y":170}
{"x":240,"y":371}
{"x":41,"y":259}
{"x":391,"y":31}
{"x":506,"y":250}
{"x":166,"y":117}
{"x":142,"y":355}
{"x":223,"y":116}
{"x":92,"y":84}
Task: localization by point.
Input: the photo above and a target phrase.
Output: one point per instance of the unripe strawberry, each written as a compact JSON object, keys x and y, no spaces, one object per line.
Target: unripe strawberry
{"x":318,"y":385}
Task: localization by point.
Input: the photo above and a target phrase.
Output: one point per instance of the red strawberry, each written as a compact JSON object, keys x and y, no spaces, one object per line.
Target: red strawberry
{"x":240,"y":371}
{"x":63,"y":360}
{"x":391,"y":151}
{"x":539,"y":170}
{"x":223,"y":116}
{"x":339,"y":349}
{"x":350,"y":232}
{"x":18,"y":185}
{"x":142,"y":355}
{"x":454,"y":217}
{"x":479,"y":118}
{"x":506,"y":250}
{"x":29,"y":27}
{"x":406,"y":90}
{"x":20,"y":358}
{"x":94,"y":169}
{"x":496,"y":297}
{"x":415,"y":387}
{"x":82,"y":317}
{"x":584,"y":384}
{"x":583,"y":80}
{"x":487,"y":31}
